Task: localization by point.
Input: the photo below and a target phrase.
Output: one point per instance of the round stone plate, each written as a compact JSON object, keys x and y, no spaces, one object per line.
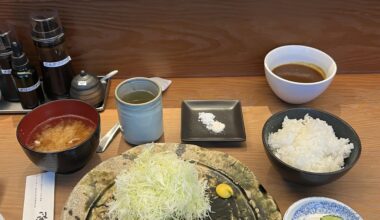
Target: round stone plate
{"x":90,"y":198}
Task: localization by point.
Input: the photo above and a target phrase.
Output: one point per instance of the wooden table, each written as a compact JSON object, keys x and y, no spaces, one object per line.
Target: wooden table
{"x":355,"y":98}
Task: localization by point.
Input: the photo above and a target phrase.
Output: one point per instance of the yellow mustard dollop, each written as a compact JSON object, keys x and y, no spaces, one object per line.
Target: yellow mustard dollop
{"x":224,"y":191}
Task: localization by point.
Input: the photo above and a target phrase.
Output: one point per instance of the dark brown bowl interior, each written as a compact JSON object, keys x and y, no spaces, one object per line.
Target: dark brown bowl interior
{"x":292,"y":174}
{"x":68,"y":160}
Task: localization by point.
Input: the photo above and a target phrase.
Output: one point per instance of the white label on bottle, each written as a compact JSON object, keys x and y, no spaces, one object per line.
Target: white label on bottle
{"x":30,"y":88}
{"x":82,"y":83}
{"x":57,"y":63}
{"x":6,"y":71}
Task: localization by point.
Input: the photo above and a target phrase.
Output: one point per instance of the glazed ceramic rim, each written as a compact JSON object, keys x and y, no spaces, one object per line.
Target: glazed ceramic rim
{"x":295,"y":205}
{"x":259,"y":197}
{"x":24,"y":145}
{"x":133,"y":79}
{"x":307,"y":48}
{"x":267,"y":147}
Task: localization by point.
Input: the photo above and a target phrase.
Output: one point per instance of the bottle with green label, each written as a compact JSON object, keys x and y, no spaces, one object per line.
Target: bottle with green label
{"x":49,"y":39}
{"x":26,"y":78}
{"x":7,"y":85}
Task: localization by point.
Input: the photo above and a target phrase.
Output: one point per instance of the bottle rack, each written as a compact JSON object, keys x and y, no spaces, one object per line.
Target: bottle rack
{"x":16,"y":108}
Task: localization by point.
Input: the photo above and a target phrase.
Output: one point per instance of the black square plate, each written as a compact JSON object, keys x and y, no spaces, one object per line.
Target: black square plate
{"x":228,"y":112}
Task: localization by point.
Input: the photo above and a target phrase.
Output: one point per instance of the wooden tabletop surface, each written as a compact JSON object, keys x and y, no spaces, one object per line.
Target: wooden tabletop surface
{"x":353,"y":97}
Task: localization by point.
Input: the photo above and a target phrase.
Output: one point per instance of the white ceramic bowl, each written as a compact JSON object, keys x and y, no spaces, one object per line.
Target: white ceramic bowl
{"x":295,"y":92}
{"x":318,"y":207}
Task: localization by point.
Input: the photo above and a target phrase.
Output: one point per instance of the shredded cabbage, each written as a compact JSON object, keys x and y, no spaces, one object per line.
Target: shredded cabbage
{"x":160,"y":186}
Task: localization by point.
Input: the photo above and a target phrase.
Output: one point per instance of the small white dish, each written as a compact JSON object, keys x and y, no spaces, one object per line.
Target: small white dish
{"x":307,"y":208}
{"x":1,"y":217}
{"x":295,"y":92}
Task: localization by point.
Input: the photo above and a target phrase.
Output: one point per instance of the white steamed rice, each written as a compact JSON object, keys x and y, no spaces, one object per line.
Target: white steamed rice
{"x":310,"y":144}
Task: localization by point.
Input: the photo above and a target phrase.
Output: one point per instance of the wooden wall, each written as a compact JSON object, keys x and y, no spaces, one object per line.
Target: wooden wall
{"x":186,"y":38}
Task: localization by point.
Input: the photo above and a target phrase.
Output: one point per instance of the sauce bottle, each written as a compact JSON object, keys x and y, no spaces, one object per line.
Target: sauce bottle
{"x":26,"y":78}
{"x":48,"y":38}
{"x":7,"y":85}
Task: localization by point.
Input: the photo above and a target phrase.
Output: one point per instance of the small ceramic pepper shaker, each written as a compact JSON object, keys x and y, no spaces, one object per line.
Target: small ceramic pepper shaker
{"x":88,"y":88}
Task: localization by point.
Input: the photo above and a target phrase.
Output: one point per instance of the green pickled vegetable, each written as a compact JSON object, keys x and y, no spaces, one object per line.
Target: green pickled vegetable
{"x":331,"y":217}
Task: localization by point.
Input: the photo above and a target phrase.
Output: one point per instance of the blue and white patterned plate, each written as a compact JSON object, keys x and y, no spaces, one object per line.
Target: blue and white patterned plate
{"x":315,"y":207}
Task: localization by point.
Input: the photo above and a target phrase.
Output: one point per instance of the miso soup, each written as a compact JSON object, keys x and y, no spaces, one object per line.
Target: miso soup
{"x":60,"y":133}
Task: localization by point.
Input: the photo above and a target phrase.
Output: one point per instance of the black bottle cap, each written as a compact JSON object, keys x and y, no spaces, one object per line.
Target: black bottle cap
{"x":19,"y":59}
{"x":46,"y":26}
{"x":5,"y":40}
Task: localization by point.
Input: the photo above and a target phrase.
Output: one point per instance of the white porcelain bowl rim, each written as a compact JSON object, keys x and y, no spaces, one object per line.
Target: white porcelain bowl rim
{"x":298,"y":83}
{"x":297,"y":204}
